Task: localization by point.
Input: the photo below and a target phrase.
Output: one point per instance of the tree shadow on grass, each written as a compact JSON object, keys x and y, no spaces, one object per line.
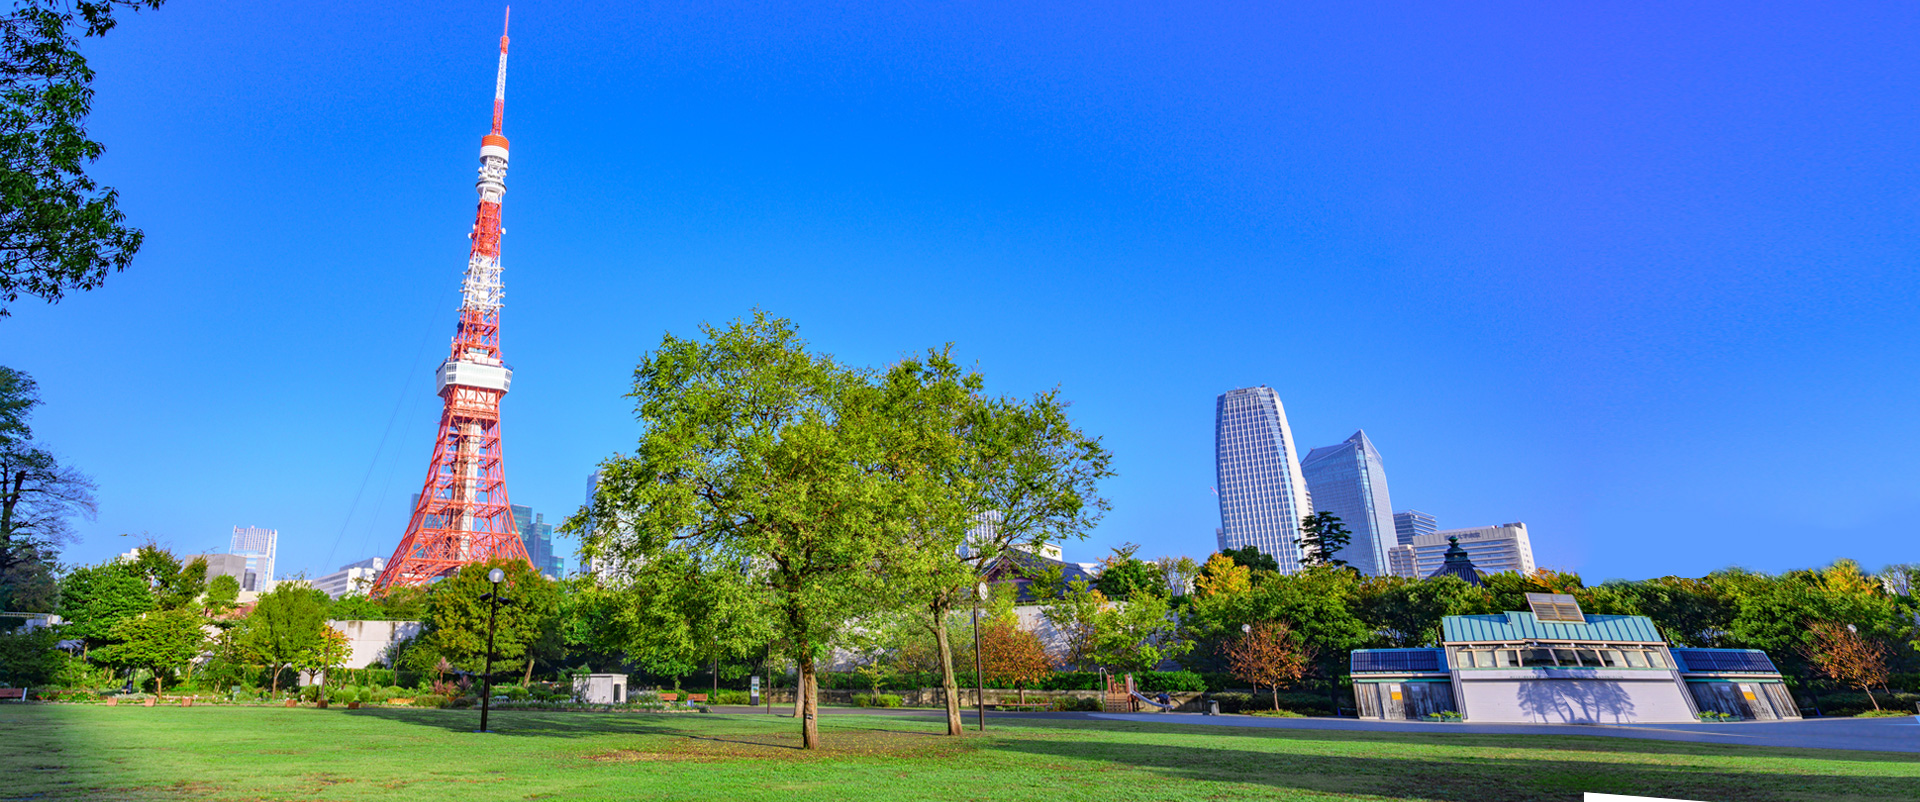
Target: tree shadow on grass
{"x":1572,"y":738}
{"x":1493,"y":779}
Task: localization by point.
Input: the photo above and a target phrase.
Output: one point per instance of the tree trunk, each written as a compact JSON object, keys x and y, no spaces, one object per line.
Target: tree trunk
{"x":809,"y":711}
{"x":273,"y":685}
{"x":1869,"y":691}
{"x":948,"y":684}
{"x":528,"y":679}
{"x":1276,"y":700}
{"x":159,"y":686}
{"x":799,"y":693}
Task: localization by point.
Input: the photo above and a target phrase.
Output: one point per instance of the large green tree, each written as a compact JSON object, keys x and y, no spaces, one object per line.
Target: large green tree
{"x":159,"y":641}
{"x":286,"y":625}
{"x":59,"y":230}
{"x":459,"y":608}
{"x":759,"y":454}
{"x":1322,"y":536}
{"x":94,"y":599}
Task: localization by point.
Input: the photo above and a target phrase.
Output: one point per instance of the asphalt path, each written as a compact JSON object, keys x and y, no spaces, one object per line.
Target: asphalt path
{"x":1864,"y":734}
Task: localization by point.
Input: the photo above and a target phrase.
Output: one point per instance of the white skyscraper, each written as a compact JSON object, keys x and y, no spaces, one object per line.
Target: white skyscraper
{"x":258,"y":546}
{"x":1262,"y":494}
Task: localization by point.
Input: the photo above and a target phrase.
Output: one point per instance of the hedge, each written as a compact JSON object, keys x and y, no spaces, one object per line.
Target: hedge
{"x":1145,"y":681}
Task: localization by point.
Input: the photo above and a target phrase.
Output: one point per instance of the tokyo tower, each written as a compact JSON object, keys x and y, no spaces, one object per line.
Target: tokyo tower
{"x":462,"y":515}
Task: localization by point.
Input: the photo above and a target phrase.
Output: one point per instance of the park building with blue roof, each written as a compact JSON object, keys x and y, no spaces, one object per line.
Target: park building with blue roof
{"x":1555,"y":664}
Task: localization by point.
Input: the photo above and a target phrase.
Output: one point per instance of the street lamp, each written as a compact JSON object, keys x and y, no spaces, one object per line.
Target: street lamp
{"x":979,"y":682}
{"x":496,"y":576}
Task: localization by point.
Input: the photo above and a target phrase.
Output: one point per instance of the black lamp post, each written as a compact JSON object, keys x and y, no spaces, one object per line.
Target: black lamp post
{"x":979,"y":681}
{"x":496,"y":576}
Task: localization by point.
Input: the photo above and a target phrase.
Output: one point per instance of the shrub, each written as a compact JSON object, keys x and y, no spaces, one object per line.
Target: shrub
{"x":1074,"y":703}
{"x":344,"y":695}
{"x":877,"y":700}
{"x":1853,"y":703}
{"x":429,"y":700}
{"x":1240,"y":702}
{"x":514,"y":692}
{"x":1169,"y":681}
{"x":309,"y":693}
{"x":728,"y":696}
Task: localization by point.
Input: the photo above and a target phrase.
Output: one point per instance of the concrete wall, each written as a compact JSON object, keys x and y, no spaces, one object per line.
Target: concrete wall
{"x":370,"y":640}
{"x":1595,"y":697}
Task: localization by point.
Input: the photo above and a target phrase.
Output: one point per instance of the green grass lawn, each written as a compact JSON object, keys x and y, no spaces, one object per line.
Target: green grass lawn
{"x":50,"y":752}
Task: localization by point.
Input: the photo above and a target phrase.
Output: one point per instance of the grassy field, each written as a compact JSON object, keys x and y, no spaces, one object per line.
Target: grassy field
{"x":55,"y":752}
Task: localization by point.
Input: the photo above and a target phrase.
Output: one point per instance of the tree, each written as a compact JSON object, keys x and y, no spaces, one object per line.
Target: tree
{"x":159,"y":641}
{"x":356,"y":607}
{"x":776,"y":462}
{"x":1269,"y":654}
{"x":1017,"y":475}
{"x":1322,"y":536}
{"x":173,"y":585}
{"x":38,"y":495}
{"x":94,"y":599}
{"x":1075,"y":614}
{"x":458,"y":612}
{"x":1223,"y":576}
{"x":1406,"y":612}
{"x":1126,"y":575}
{"x":223,"y":594}
{"x":1843,"y":654}
{"x":30,"y":658}
{"x":1137,"y":634}
{"x":285,"y":626}
{"x":1178,"y":573}
{"x":1014,"y":655}
{"x":327,"y":652}
{"x":60,"y":230}
{"x":1253,"y":559}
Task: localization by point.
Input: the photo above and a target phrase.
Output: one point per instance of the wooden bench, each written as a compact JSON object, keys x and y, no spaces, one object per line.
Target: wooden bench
{"x":669,"y":697}
{"x":697,"y":697}
{"x":16,"y":694}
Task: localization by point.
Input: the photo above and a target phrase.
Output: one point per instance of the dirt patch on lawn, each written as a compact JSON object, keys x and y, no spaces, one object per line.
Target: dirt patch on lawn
{"x":786,"y":746}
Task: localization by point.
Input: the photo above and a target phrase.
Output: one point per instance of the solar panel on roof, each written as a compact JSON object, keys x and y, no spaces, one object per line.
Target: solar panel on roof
{"x":1398,"y":660}
{"x":1735,"y":660}
{"x":1557,"y":607}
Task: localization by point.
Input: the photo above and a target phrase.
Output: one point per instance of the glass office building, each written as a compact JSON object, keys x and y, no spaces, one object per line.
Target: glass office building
{"x":258,"y":545}
{"x":1409,"y":524}
{"x":1350,"y":481}
{"x":1262,"y":494}
{"x":537,"y":535}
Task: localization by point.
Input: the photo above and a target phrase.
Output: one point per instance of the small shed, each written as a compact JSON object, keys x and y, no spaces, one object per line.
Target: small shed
{"x":601,"y":689}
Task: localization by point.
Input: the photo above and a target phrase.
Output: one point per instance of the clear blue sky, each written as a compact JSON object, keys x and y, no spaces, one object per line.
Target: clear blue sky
{"x":1642,"y":277}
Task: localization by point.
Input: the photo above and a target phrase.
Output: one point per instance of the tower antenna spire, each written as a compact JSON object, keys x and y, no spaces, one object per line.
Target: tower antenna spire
{"x":500,"y":80}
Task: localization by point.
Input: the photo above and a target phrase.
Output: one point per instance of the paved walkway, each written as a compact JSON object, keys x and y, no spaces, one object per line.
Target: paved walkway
{"x":1875,"y":734}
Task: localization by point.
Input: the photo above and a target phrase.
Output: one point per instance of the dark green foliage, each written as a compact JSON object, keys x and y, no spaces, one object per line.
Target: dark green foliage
{"x":286,"y":626}
{"x":60,"y":231}
{"x":1322,"y":536}
{"x":458,"y":610}
{"x":159,"y":641}
{"x":94,"y":599}
{"x":1125,"y":576}
{"x":1312,"y":704}
{"x":1252,"y":558}
{"x":356,"y":607}
{"x":28,"y":659}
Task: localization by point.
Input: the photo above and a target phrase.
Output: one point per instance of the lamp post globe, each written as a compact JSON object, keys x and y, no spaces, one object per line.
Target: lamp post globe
{"x":1246,"y":628}
{"x":496,"y":576}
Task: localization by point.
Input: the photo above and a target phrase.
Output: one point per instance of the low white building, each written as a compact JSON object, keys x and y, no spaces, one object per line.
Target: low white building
{"x":354,"y":577}
{"x":601,"y":689}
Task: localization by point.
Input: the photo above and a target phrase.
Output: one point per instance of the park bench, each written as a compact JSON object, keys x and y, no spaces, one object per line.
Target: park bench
{"x":16,"y":694}
{"x":697,"y":697}
{"x":669,"y":697}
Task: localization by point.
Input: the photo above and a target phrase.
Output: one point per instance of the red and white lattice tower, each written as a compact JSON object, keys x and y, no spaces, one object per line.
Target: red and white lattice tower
{"x":462,"y":515}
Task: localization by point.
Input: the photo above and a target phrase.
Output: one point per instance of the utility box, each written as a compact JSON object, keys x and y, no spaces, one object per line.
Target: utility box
{"x":601,"y":689}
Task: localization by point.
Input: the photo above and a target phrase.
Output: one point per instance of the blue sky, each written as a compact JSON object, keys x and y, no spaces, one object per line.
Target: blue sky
{"x":1639,"y":276}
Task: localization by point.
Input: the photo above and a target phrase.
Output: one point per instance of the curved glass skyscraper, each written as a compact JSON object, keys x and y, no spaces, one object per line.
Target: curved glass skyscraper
{"x":1350,"y":481}
{"x":1262,"y":494}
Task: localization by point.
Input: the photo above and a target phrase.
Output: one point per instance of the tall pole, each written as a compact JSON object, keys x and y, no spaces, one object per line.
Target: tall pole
{"x":979,"y":682}
{"x":486,"y":678}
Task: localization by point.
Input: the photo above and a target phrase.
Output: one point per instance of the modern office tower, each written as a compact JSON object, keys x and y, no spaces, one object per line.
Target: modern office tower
{"x":1350,"y":481}
{"x":233,"y":565}
{"x":356,"y":577}
{"x":258,"y":546}
{"x":1493,"y":549}
{"x":1400,"y":561}
{"x":1409,"y":524}
{"x":537,"y":535}
{"x":609,"y":570}
{"x":1262,"y":494}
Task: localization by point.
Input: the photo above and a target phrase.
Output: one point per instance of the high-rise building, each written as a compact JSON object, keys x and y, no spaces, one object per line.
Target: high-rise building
{"x":537,"y":535}
{"x":1350,"y":481}
{"x":1400,"y":561}
{"x":1493,"y":549}
{"x":1409,"y":524}
{"x":1262,"y":494}
{"x":258,"y":546}
{"x":354,"y":577}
